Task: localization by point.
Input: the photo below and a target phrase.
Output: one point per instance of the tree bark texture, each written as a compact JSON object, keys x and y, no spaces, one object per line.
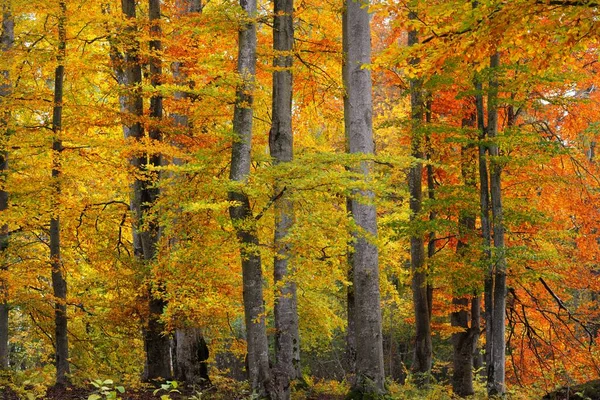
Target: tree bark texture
{"x":59,"y":283}
{"x":423,"y":347}
{"x":466,"y":313}
{"x":287,"y":340}
{"x":7,"y":37}
{"x":156,"y":344}
{"x":191,"y":354}
{"x":496,"y":368}
{"x":241,"y":213}
{"x":358,"y":109}
{"x":484,"y":202}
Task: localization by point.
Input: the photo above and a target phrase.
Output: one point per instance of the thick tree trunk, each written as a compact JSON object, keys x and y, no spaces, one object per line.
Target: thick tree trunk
{"x":59,"y":283}
{"x":241,"y":213}
{"x":191,"y":350}
{"x":287,"y":340}
{"x":191,"y":353}
{"x":7,"y":37}
{"x":496,"y":368}
{"x":423,"y":347}
{"x":358,"y":106}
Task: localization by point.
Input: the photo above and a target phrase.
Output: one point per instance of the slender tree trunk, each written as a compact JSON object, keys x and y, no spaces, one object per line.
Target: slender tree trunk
{"x":496,"y":368}
{"x":432,"y":214}
{"x":465,"y":341}
{"x":423,"y":346}
{"x":191,"y":350}
{"x":287,"y":340}
{"x":484,"y":200}
{"x":241,"y":213}
{"x":7,"y":37}
{"x":59,"y":283}
{"x":156,"y":344}
{"x":358,"y":106}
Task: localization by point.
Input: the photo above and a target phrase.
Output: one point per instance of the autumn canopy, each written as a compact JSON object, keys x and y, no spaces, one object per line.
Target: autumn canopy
{"x":299,"y":199}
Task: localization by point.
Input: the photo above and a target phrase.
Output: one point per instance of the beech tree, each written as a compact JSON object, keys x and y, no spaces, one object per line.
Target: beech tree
{"x":421,"y":301}
{"x":59,"y":282}
{"x":7,"y":37}
{"x":358,"y":109}
{"x":240,"y":210}
{"x":497,"y":357}
{"x":144,"y":190}
{"x":287,"y":340}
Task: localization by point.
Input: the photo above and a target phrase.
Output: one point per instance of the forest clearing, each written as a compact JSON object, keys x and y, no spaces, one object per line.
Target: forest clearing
{"x":299,"y":199}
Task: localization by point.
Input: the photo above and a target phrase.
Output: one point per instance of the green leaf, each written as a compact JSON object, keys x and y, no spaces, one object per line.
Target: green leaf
{"x":121,"y":389}
{"x":94,"y":397}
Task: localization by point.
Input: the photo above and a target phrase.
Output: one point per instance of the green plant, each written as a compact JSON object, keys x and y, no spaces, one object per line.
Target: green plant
{"x":169,"y":387}
{"x":105,"y":389}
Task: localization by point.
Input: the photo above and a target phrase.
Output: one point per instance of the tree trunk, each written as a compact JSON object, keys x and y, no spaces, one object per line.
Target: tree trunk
{"x":59,"y":283}
{"x":191,"y":353}
{"x":423,"y":347}
{"x":465,"y":341}
{"x":6,"y":43}
{"x":432,"y":214}
{"x":358,"y":110}
{"x":156,"y":343}
{"x":143,"y":191}
{"x":287,"y":340}
{"x":241,"y":213}
{"x":496,"y":368}
{"x":191,"y":350}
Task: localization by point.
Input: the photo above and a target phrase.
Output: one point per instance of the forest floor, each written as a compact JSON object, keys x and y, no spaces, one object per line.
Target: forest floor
{"x":588,"y":390}
{"x":81,"y":393}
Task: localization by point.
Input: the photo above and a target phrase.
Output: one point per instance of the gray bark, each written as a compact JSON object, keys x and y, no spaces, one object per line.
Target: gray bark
{"x":156,"y":344}
{"x":421,"y":366}
{"x":59,"y":283}
{"x":191,"y":353}
{"x":287,"y":340}
{"x":241,"y":213}
{"x":358,"y":109}
{"x":464,"y":343}
{"x":484,"y":201}
{"x":495,"y":281}
{"x":496,"y":368}
{"x":7,"y":37}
